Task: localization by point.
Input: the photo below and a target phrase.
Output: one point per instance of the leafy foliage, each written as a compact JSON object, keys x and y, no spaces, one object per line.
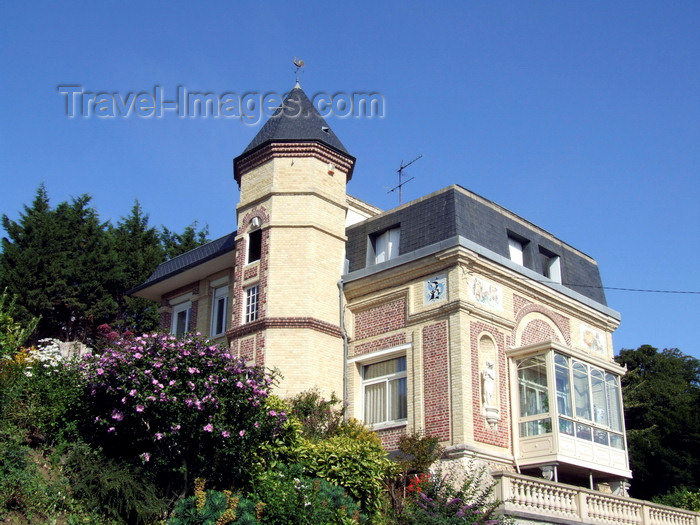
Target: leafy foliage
{"x":441,"y":499}
{"x":319,"y":417}
{"x":282,"y":496}
{"x":179,"y":405}
{"x":119,"y":491}
{"x":661,"y":392}
{"x":681,"y":498}
{"x":416,"y":453}
{"x":359,"y":466}
{"x":72,"y":270}
{"x":12,"y":333}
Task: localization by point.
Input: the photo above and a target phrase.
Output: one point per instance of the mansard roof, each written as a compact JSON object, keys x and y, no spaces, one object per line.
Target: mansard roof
{"x":296,"y":120}
{"x":455,"y":216}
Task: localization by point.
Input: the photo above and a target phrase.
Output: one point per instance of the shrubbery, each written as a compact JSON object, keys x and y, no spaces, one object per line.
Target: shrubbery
{"x":120,"y":437}
{"x":180,"y":406}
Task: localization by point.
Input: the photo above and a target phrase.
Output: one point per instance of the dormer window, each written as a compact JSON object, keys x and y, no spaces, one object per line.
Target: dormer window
{"x":385,"y":245}
{"x":551,"y":265}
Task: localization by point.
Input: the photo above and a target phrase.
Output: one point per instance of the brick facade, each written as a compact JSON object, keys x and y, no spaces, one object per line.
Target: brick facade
{"x":483,"y":433}
{"x":379,"y":344}
{"x":381,"y":319}
{"x":436,"y":382}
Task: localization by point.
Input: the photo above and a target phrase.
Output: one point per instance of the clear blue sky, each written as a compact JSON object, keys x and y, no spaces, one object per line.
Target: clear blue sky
{"x":582,"y":117}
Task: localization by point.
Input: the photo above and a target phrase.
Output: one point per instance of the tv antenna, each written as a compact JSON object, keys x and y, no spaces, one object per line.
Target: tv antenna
{"x":298,"y":63}
{"x":401,"y":176}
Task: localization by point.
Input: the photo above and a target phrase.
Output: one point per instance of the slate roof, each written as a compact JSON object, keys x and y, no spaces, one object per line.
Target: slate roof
{"x":456,"y":212}
{"x":190,"y":259}
{"x":296,"y":120}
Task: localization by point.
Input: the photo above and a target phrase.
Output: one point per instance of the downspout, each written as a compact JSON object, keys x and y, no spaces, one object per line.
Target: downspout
{"x":341,"y":313}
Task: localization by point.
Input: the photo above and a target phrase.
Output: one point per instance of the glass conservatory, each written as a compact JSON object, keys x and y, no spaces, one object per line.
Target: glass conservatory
{"x":567,"y":412}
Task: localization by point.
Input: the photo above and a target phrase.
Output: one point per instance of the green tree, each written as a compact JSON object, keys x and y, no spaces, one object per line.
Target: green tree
{"x":73,"y":271}
{"x":61,"y":266}
{"x":26,"y":267}
{"x":139,"y":252}
{"x":661,"y":392}
{"x":176,"y":244}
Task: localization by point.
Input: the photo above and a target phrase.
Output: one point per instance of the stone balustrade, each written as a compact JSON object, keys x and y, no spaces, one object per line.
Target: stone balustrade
{"x":544,"y":501}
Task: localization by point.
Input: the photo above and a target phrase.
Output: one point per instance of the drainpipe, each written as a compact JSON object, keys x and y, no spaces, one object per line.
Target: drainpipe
{"x":345,"y":349}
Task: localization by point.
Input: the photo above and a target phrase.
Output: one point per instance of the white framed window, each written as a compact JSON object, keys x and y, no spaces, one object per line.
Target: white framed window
{"x":516,"y":249}
{"x":386,"y":245}
{"x":180,"y":324}
{"x":251,"y":304}
{"x":385,"y":392}
{"x":219,"y":311}
{"x":585,"y":403}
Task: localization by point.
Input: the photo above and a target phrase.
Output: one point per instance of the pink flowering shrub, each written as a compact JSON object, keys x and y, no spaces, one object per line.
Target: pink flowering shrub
{"x":178,"y":406}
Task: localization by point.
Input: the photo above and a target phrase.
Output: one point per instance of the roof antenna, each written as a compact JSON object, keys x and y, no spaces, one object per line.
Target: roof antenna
{"x":298,"y":64}
{"x":401,"y":175}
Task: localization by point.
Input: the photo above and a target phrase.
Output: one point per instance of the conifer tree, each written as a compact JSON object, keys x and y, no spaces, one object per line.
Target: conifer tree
{"x":139,"y":251}
{"x":178,"y":243}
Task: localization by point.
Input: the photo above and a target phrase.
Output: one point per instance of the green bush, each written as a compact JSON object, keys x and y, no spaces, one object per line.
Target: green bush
{"x":440,"y":500}
{"x":681,"y":498}
{"x":319,"y":417}
{"x":184,"y":407}
{"x":359,"y":466}
{"x":121,"y":492}
{"x":282,"y":496}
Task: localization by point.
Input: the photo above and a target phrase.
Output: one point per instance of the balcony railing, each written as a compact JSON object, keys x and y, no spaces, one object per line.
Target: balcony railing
{"x":545,"y":501}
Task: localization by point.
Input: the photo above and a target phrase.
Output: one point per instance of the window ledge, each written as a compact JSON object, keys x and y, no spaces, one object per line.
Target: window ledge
{"x":388,"y":425}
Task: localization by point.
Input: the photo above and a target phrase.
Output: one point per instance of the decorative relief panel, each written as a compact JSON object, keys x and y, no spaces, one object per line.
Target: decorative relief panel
{"x":592,"y":339}
{"x":486,"y":293}
{"x":435,"y":290}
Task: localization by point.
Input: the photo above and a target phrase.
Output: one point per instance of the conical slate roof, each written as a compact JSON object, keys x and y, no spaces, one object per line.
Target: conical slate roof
{"x":296,"y":120}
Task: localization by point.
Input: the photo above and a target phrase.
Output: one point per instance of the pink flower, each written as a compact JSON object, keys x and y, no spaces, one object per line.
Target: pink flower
{"x":146,"y":456}
{"x":117,"y":415}
{"x":132,"y":392}
{"x":138,"y":355}
{"x":100,"y":371}
{"x":241,"y":433}
{"x":140,"y":408}
{"x":110,"y":429}
{"x":273,"y":413}
{"x":226,"y":433}
{"x":159,"y":436}
{"x":208,"y":427}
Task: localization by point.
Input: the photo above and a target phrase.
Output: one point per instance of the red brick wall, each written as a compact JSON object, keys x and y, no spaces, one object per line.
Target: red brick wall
{"x":381,"y":319}
{"x":483,"y":433}
{"x":390,"y":437}
{"x":522,"y":307}
{"x":379,"y":344}
{"x":241,"y":273}
{"x":247,"y":349}
{"x":436,"y":380}
{"x":537,"y":331}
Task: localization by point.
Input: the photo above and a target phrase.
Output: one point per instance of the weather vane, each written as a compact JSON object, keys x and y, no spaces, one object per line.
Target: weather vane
{"x":298,"y":64}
